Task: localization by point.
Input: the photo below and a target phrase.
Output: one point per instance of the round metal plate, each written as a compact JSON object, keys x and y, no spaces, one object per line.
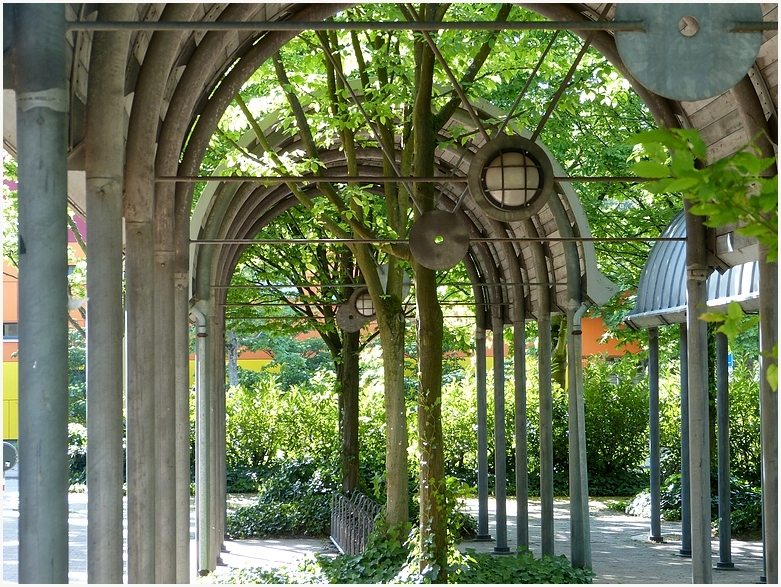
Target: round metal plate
{"x":9,"y":456}
{"x":382,"y":270}
{"x":672,"y":60}
{"x":439,"y":240}
{"x":348,"y":319}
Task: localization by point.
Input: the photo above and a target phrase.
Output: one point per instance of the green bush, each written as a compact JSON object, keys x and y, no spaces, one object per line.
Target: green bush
{"x":77,"y":454}
{"x":745,"y":503}
{"x":294,"y":500}
{"x":522,"y":568}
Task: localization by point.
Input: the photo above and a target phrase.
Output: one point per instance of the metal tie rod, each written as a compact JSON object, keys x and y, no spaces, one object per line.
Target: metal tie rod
{"x":279,"y":179}
{"x":395,"y":241}
{"x":326,"y":25}
{"x":289,"y":25}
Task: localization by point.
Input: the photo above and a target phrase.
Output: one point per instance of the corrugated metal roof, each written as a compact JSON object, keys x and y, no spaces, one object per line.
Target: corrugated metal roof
{"x":662,"y":295}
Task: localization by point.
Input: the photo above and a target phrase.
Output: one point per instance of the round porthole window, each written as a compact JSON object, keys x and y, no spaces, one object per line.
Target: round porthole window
{"x":510,"y":178}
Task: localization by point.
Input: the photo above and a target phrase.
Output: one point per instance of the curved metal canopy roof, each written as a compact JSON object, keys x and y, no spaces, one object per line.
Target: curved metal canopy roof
{"x":662,"y":295}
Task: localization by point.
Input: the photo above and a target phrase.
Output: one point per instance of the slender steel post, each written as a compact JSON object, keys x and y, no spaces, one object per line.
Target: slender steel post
{"x":521,"y":449}
{"x":500,"y":437}
{"x":182,"y":416}
{"x":546,"y":432}
{"x":768,"y":332}
{"x":654,"y":449}
{"x":203,"y":509}
{"x":104,"y":160}
{"x":41,"y":106}
{"x":482,"y":437}
{"x":722,"y":423}
{"x":699,"y":425}
{"x":686,"y":511}
{"x":579,"y":511}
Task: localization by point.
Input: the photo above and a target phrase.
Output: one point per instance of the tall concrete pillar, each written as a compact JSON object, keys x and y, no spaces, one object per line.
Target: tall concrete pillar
{"x":546,"y":432}
{"x":41,"y":126}
{"x":500,"y":434}
{"x":104,"y":160}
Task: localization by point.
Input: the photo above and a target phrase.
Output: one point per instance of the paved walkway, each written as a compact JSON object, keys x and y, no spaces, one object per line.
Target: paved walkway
{"x":620,"y":550}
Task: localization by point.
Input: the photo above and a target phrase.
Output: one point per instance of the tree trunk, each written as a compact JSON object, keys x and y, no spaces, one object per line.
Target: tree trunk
{"x":349,"y":383}
{"x":433,"y":522}
{"x":391,"y":323}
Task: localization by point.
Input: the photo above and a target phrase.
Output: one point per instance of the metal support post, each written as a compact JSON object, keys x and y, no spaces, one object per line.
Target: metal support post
{"x":654,"y":449}
{"x":686,"y":515}
{"x":699,"y":449}
{"x":546,"y":432}
{"x":104,"y":160}
{"x":482,"y":437}
{"x":41,"y":107}
{"x":203,"y":509}
{"x":580,"y":528}
{"x":182,"y":416}
{"x":521,"y":449}
{"x":722,"y":423}
{"x":768,"y":400}
{"x":500,"y":437}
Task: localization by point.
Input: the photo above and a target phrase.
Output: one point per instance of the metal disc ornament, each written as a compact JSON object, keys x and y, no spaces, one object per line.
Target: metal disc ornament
{"x":687,"y":51}
{"x":348,"y":319}
{"x":439,"y":240}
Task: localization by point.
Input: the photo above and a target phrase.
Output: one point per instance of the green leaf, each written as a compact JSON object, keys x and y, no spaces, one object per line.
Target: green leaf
{"x":772,"y":376}
{"x":650,"y":169}
{"x":682,"y":184}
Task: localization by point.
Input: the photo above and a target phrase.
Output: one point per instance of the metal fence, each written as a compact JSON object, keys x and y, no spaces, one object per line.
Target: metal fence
{"x":352,"y":520}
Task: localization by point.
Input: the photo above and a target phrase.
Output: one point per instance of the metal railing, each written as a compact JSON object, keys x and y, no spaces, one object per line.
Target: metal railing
{"x":352,"y":520}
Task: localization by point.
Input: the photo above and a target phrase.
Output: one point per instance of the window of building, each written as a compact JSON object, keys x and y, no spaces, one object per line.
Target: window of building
{"x":10,"y":330}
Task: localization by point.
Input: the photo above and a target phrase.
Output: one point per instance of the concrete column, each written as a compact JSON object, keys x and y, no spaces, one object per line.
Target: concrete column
{"x":546,"y":432}
{"x":722,"y":424}
{"x":165,"y":406}
{"x":699,"y":449}
{"x":686,"y":516}
{"x":104,"y":160}
{"x":521,"y":450}
{"x":482,"y":437}
{"x":41,"y":105}
{"x":500,"y":436}
{"x":654,"y":449}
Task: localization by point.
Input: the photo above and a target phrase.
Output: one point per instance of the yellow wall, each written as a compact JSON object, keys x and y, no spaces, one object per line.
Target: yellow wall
{"x":10,"y":400}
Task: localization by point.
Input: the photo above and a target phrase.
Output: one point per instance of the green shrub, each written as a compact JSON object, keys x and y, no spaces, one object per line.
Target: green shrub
{"x":522,"y":568}
{"x":77,"y":453}
{"x":745,"y":503}
{"x":294,"y":500}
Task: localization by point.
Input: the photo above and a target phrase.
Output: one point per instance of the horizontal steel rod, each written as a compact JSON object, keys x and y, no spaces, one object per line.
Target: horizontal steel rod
{"x":329,"y":25}
{"x":350,"y":285}
{"x":334,"y":304}
{"x":320,"y":317}
{"x":393,"y":241}
{"x":278,"y":179}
